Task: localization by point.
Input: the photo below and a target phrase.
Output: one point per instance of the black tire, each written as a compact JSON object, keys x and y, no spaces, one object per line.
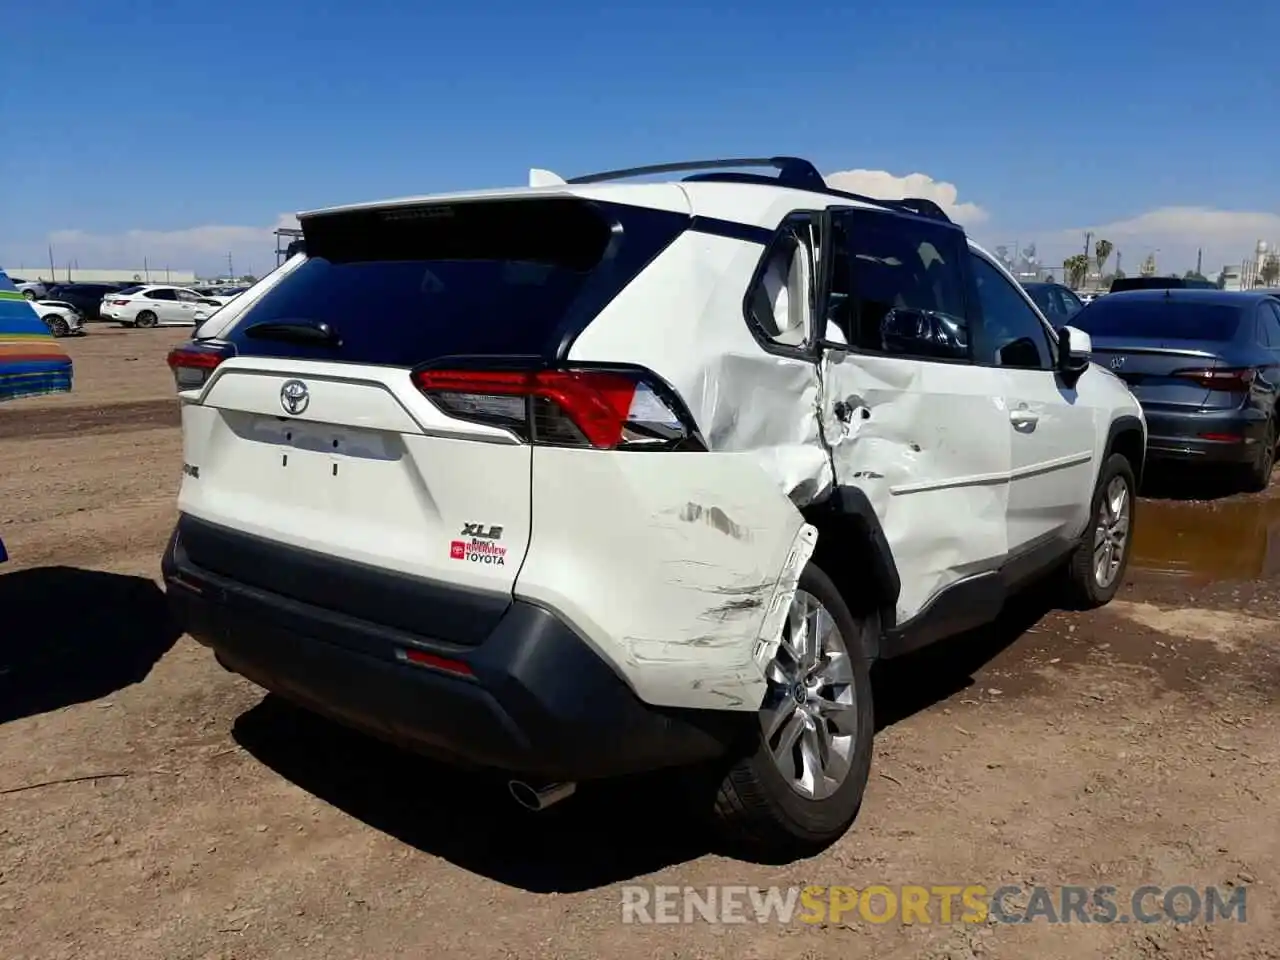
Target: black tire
{"x":1257,"y":475}
{"x":56,"y":324}
{"x":757,"y":811}
{"x":1085,"y":591}
{"x":146,"y":319}
{"x":28,"y":295}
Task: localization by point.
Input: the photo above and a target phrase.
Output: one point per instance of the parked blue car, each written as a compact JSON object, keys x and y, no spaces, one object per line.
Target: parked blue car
{"x":1204,"y":365}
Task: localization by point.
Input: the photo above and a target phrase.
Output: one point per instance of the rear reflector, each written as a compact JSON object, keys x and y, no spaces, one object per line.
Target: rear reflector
{"x":193,"y":362}
{"x":423,"y":659}
{"x":603,"y":409}
{"x":1223,"y":437}
{"x":1231,"y":379}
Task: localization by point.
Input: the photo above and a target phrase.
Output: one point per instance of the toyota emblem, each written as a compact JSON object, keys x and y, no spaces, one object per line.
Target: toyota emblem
{"x":294,"y":397}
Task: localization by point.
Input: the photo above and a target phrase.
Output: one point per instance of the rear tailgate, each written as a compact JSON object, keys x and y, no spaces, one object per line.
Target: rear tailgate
{"x":372,"y":479}
{"x":315,"y":469}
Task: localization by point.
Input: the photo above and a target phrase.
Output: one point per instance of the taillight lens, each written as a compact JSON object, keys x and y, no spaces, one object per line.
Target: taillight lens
{"x":193,"y":363}
{"x":118,"y":303}
{"x":602,"y":409}
{"x":1230,"y":379}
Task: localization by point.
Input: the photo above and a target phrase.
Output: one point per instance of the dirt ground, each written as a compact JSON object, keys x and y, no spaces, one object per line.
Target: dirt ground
{"x":1133,"y":745}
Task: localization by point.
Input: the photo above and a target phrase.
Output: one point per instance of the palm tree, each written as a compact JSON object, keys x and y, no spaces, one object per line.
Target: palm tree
{"x":1075,"y":269}
{"x":1102,"y":253}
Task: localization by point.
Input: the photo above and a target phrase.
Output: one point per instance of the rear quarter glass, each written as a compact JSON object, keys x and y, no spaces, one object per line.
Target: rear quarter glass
{"x":405,"y":286}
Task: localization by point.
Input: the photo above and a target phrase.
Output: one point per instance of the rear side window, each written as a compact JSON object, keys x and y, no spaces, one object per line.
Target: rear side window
{"x":403,"y":286}
{"x":1159,"y":319}
{"x":898,"y":286}
{"x":162,"y":295}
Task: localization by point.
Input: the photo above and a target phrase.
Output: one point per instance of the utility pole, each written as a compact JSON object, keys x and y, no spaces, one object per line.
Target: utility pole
{"x":1088,"y":235}
{"x":1117,"y":261}
{"x":230,"y":270}
{"x":1199,"y":262}
{"x":53,"y":271}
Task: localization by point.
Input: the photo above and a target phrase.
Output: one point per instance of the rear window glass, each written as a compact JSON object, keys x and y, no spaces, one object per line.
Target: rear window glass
{"x":128,"y":291}
{"x":1170,"y":319}
{"x":401,"y":286}
{"x":1121,"y":284}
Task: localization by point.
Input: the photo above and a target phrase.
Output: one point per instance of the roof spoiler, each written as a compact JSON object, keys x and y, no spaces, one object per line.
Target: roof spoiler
{"x":544,"y":178}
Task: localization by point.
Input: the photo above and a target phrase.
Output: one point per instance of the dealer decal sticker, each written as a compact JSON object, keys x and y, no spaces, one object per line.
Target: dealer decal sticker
{"x":479,"y":545}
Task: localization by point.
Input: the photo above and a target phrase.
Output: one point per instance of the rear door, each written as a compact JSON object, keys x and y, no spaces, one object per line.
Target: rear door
{"x":911,"y":420}
{"x":324,"y":443}
{"x":163,"y":302}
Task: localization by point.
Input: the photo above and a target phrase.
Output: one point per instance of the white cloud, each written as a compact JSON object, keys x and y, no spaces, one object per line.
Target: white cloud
{"x":1178,"y":233}
{"x":202,"y":248}
{"x":882,"y":185}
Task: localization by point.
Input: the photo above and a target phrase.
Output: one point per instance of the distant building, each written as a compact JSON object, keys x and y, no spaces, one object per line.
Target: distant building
{"x":78,"y":275}
{"x":1252,"y":273}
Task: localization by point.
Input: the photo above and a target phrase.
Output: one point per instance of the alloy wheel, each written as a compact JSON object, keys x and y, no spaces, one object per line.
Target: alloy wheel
{"x":1111,"y":535}
{"x":809,"y":719}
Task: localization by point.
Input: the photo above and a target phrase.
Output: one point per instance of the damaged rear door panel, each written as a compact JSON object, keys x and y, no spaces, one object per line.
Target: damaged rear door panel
{"x":909,"y":418}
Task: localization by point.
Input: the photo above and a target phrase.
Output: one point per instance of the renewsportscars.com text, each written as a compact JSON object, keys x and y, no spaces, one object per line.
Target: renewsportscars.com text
{"x":943,"y":903}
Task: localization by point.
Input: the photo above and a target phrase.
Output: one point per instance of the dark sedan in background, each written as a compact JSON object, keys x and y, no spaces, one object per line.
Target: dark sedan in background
{"x":1204,"y":365}
{"x":1057,"y":302}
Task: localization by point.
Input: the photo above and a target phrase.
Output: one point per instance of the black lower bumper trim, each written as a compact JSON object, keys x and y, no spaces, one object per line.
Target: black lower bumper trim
{"x":540,"y":702}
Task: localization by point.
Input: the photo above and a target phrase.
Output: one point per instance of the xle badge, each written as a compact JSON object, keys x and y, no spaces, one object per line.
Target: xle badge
{"x":479,"y":546}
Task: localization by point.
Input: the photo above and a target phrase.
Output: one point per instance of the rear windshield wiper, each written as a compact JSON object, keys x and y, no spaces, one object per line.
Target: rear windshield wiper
{"x":296,"y":331}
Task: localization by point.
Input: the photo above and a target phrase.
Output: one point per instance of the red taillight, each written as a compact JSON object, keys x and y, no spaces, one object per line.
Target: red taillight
{"x":1230,"y":379}
{"x":604,"y":409}
{"x":119,"y":303}
{"x":192,"y":363}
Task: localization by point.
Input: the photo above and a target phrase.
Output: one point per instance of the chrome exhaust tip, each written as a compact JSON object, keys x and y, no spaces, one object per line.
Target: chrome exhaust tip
{"x":540,"y":797}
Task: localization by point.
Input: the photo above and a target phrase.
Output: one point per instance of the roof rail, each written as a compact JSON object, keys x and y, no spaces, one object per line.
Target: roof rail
{"x":924,"y":207}
{"x":792,"y":171}
{"x":916,"y":205}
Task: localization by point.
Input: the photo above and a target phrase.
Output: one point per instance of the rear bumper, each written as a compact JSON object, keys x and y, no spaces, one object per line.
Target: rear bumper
{"x":1230,"y":436}
{"x":538,"y":702}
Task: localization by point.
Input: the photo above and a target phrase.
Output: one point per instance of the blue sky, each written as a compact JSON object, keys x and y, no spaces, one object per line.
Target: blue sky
{"x":196,"y":125}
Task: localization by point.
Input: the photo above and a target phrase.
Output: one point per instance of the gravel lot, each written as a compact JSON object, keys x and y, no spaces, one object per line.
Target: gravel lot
{"x":1133,"y":745}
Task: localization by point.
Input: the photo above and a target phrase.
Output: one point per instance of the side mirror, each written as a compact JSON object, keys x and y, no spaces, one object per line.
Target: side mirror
{"x":922,"y":333}
{"x":1074,"y":348}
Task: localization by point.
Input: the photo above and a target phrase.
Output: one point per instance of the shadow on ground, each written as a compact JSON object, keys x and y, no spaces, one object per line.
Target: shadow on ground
{"x":909,"y":684}
{"x":1194,"y":482}
{"x":606,"y":833}
{"x":69,"y":635}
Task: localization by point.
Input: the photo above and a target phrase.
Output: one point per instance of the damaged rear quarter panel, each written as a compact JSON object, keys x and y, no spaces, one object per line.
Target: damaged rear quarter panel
{"x":671,"y":565}
{"x":683,"y":319}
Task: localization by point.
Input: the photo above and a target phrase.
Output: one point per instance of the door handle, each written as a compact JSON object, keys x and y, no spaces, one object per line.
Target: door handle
{"x":1023,"y":418}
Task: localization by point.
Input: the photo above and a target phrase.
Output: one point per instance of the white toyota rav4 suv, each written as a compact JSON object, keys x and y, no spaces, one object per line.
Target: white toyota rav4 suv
{"x":612,"y":477}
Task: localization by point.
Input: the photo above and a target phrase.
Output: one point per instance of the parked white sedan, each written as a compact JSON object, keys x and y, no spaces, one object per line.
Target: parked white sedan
{"x":155,"y":306}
